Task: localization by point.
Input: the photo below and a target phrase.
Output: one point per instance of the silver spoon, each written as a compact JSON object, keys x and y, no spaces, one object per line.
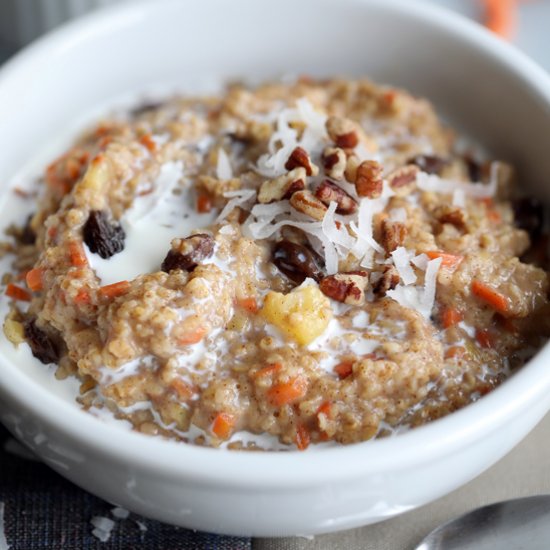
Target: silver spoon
{"x":519,"y":524}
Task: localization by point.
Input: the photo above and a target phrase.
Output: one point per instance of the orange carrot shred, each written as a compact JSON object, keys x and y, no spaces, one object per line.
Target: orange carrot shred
{"x":326,"y":409}
{"x":451,"y":317}
{"x":494,"y":298}
{"x":303,"y":439}
{"x":287,"y":392}
{"x":192,"y":337}
{"x":17,"y":293}
{"x":77,"y":254}
{"x":448,"y":261}
{"x":148,"y":142}
{"x":501,"y":17}
{"x":114,"y":290}
{"x":82,"y":297}
{"x":250,"y":304}
{"x":204,"y":203}
{"x":484,"y":338}
{"x":34,"y":279}
{"x":268,"y":370}
{"x":344,"y":369}
{"x":223,"y":425}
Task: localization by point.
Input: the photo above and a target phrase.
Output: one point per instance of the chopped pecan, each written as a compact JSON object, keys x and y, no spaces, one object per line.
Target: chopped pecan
{"x":392,"y":234}
{"x":368,"y":179}
{"x":403,"y":180}
{"x":334,"y":162}
{"x":299,"y":157}
{"x":297,"y":261}
{"x":282,"y":187}
{"x":307,"y":203}
{"x":388,"y":281}
{"x":328,"y":192}
{"x":187,"y":253}
{"x":451,"y":214}
{"x":342,"y":132}
{"x":348,"y":288}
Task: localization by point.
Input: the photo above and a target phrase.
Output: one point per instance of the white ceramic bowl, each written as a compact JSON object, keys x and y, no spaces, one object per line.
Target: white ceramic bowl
{"x":480,"y":84}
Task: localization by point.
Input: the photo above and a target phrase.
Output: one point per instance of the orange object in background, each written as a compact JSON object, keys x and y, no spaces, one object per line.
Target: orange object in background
{"x":501,"y":17}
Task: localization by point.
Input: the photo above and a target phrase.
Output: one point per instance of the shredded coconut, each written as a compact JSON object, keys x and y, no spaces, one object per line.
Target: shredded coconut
{"x":459,"y":198}
{"x":435,"y":184}
{"x":102,"y":527}
{"x":223,"y":167}
{"x":402,"y":262}
{"x":120,"y":513}
{"x":3,"y":540}
{"x":237,"y":198}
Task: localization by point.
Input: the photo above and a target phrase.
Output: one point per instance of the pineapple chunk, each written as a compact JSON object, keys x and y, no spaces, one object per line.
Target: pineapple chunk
{"x":302,"y":315}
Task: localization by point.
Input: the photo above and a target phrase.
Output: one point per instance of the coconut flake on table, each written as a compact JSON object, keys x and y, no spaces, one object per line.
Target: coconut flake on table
{"x":414,"y":297}
{"x":120,"y":513}
{"x":102,"y":527}
{"x":3,"y":540}
{"x":223,"y":166}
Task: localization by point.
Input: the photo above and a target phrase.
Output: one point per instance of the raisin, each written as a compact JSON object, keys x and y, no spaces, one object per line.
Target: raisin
{"x":297,"y":262}
{"x":186,"y":254}
{"x":102,"y":235}
{"x":28,"y":236}
{"x":529,"y":215}
{"x":42,"y":346}
{"x":431,"y":164}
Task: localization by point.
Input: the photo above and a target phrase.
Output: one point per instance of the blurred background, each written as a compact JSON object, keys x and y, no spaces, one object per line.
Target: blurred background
{"x":525,"y":22}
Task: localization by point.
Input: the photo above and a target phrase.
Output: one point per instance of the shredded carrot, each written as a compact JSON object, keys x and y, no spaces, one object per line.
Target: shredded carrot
{"x":192,"y":337}
{"x":494,"y":298}
{"x":268,"y":370}
{"x":484,"y":338}
{"x":449,"y":261}
{"x":287,"y":392}
{"x":77,"y":254}
{"x":148,"y":142}
{"x":494,"y":216}
{"x":326,"y":409}
{"x":501,"y":17}
{"x":344,"y":369}
{"x":204,"y":203}
{"x":451,"y":317}
{"x":17,"y":293}
{"x":82,"y":297}
{"x":223,"y":425}
{"x":250,"y":304}
{"x":303,"y":439}
{"x":34,"y":279}
{"x":455,"y":352}
{"x":114,"y":290}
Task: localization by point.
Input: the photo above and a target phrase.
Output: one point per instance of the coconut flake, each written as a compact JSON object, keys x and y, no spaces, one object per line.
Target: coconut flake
{"x":402,"y":262}
{"x":338,"y":235}
{"x":435,"y":184}
{"x":3,"y":540}
{"x":103,"y":527}
{"x":120,"y":513}
{"x":420,"y":261}
{"x":459,"y":198}
{"x":430,"y":283}
{"x":237,"y":198}
{"x":223,"y":166}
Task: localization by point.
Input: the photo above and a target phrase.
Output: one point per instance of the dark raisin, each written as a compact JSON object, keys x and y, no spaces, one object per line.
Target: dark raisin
{"x":28,"y":236}
{"x":529,"y":215}
{"x":475,"y":168}
{"x":187,"y":253}
{"x":297,"y":262}
{"x":431,"y":164}
{"x":42,"y":346}
{"x":102,"y":235}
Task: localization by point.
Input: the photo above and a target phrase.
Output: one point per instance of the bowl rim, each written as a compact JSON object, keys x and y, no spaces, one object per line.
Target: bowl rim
{"x":247,"y":470}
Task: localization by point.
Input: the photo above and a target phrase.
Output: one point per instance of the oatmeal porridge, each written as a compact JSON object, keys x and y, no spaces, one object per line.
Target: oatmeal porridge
{"x":316,"y":261}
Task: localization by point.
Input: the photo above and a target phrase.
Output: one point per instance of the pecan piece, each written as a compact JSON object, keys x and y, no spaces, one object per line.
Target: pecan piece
{"x":388,"y":281}
{"x":334,"y":162}
{"x":451,"y":214}
{"x":188,"y":253}
{"x":307,"y":203}
{"x":329,"y":192}
{"x":296,"y":261}
{"x":403,"y":180}
{"x":348,"y":288}
{"x":343,"y":132}
{"x":392,"y":235}
{"x":368,"y":179}
{"x":282,"y":187}
{"x":299,"y":157}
